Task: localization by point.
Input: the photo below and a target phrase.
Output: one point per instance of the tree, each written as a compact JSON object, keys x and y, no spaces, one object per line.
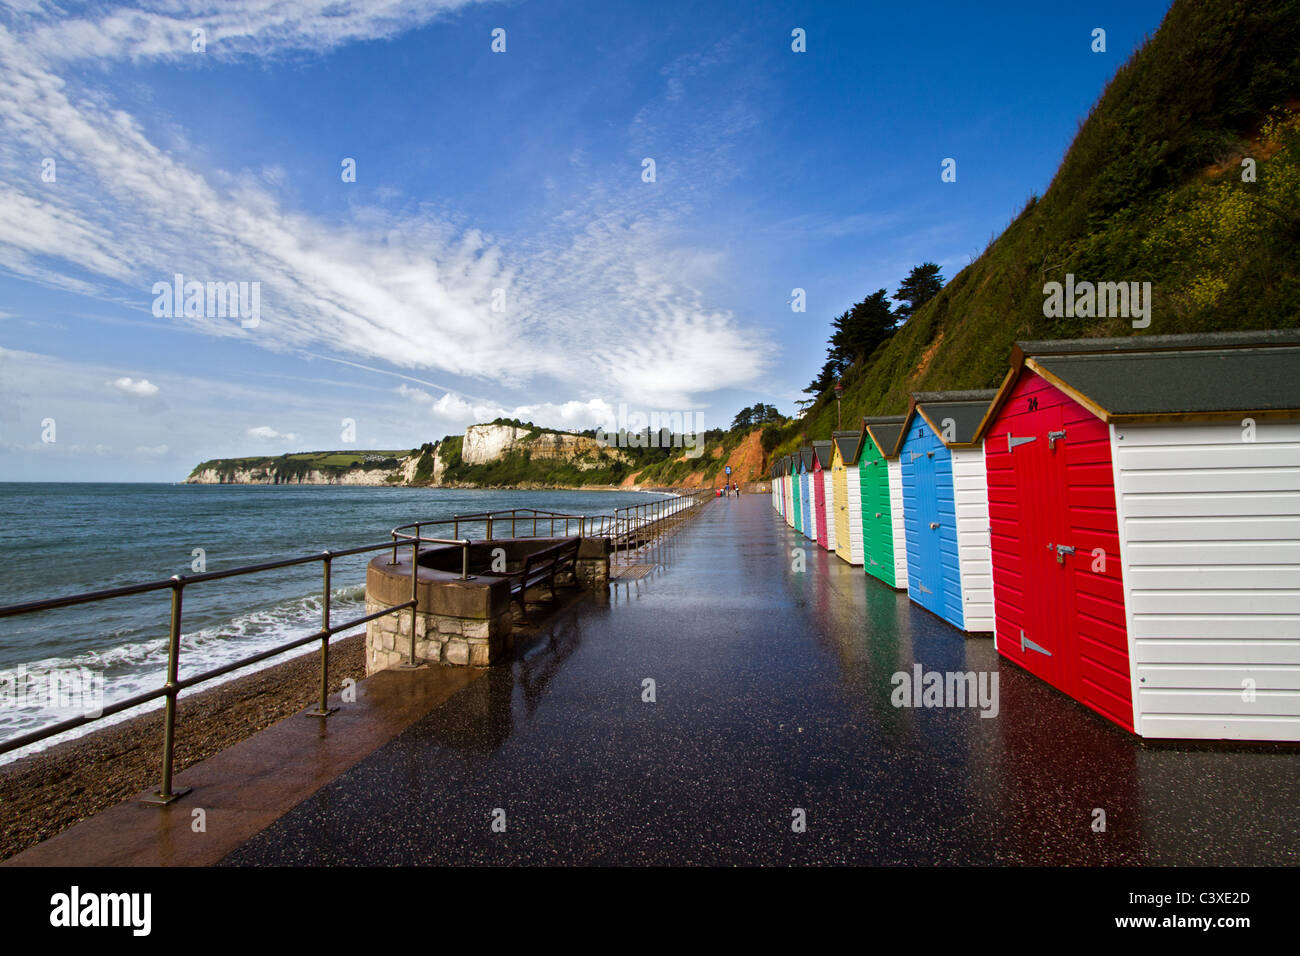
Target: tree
{"x":745,"y":417}
{"x":921,"y":285}
{"x":827,"y":377}
{"x":862,"y":328}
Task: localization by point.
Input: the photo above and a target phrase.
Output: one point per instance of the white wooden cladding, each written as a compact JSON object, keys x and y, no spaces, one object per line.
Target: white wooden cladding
{"x":971,"y":493}
{"x":1210,"y":551}
{"x":828,"y":483}
{"x":896,"y":519}
{"x":854,"y":493}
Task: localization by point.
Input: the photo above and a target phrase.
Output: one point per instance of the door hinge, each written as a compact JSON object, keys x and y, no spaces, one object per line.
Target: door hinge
{"x":1027,"y":644}
{"x":1013,"y":442}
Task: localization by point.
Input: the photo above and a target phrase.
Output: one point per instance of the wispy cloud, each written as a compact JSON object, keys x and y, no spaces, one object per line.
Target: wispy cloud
{"x":164,"y":29}
{"x":142,"y":388}
{"x":607,"y":303}
{"x":267,"y":433}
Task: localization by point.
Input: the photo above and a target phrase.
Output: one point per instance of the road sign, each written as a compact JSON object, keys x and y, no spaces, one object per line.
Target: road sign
{"x":728,"y":469}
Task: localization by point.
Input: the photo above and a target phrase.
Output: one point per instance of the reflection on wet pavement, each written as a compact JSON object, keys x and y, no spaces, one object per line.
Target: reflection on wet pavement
{"x":773,"y":694}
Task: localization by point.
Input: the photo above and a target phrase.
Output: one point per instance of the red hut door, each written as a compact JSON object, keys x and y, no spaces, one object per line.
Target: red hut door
{"x":1042,"y":642}
{"x":1057,"y":588}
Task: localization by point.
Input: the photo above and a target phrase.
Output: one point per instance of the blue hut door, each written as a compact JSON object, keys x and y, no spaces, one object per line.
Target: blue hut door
{"x":927,"y":580}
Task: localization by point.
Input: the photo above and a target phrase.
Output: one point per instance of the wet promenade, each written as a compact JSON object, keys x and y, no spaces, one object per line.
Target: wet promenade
{"x":772,"y":692}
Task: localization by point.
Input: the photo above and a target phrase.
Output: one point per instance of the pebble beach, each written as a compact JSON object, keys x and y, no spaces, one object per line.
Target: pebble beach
{"x":47,"y":792}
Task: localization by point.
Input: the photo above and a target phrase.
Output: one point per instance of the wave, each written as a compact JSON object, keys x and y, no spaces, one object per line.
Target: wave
{"x":134,"y":667}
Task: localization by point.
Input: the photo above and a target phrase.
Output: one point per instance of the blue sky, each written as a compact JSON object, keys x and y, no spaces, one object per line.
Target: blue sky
{"x":499,"y":251}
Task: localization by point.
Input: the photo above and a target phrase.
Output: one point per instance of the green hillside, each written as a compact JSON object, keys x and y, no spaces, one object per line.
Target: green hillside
{"x":1151,"y":190}
{"x":292,"y":467}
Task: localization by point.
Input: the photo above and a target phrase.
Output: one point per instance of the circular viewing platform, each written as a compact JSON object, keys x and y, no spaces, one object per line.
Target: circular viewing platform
{"x":467,"y":620}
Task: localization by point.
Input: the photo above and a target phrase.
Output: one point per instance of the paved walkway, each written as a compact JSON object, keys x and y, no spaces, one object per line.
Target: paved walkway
{"x":773,"y":695}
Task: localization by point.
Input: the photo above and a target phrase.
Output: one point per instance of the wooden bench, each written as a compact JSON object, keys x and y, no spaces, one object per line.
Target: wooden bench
{"x":540,"y":567}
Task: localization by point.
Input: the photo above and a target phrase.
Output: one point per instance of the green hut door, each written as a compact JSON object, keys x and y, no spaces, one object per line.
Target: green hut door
{"x":877,"y":526}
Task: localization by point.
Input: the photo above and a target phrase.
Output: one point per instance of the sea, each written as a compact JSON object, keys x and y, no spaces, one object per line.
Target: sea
{"x":66,"y":538}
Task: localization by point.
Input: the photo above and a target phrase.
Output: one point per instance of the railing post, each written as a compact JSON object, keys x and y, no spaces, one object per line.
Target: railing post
{"x":489,"y":527}
{"x":166,"y":794}
{"x":464,"y":560}
{"x":324,"y":709}
{"x":415,"y":595}
{"x":394,"y":559}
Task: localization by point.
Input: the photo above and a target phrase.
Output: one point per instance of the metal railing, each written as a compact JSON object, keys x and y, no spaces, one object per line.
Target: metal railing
{"x":629,"y":527}
{"x":522,"y":522}
{"x":634,"y":526}
{"x":175,"y":683}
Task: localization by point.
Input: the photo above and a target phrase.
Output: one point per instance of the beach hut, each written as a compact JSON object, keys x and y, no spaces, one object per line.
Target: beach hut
{"x":848,"y":504}
{"x":832,"y":503}
{"x":787,"y":479}
{"x":1144,"y":497}
{"x":945,"y":508}
{"x":818,"y":476}
{"x":796,"y":483}
{"x":806,"y":520}
{"x":880,"y":479}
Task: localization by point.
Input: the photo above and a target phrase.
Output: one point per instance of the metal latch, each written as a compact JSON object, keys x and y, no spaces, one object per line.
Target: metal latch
{"x":1013,"y":442}
{"x":1051,"y":438}
{"x":934,"y":524}
{"x":929,"y":454}
{"x":877,"y":514}
{"x":1061,"y":551}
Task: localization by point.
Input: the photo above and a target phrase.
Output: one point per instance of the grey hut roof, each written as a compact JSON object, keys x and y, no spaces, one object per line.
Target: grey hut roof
{"x":967,"y":409}
{"x":886,"y":431}
{"x":847,"y":443}
{"x":1168,"y":377}
{"x":824,"y":452}
{"x":803,"y":459}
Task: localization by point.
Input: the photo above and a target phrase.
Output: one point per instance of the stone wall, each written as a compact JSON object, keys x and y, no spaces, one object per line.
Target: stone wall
{"x":456,"y":622}
{"x":439,"y":639}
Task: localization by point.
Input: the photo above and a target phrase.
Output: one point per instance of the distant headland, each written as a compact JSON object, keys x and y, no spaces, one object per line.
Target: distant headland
{"x":514,"y":454}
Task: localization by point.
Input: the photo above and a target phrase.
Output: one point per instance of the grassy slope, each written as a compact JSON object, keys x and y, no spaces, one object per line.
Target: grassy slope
{"x":301,"y":462}
{"x":1150,"y":190}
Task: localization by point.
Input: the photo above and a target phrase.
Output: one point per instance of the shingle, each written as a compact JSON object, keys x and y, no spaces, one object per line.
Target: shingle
{"x":966,"y":409}
{"x":1182,"y":381}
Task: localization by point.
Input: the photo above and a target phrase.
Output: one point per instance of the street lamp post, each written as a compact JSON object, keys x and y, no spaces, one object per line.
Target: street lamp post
{"x":839,"y":392}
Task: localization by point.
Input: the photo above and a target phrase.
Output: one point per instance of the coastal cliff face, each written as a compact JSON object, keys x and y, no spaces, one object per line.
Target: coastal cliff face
{"x":269,"y":476}
{"x":485,"y":444}
{"x":425,"y":466}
